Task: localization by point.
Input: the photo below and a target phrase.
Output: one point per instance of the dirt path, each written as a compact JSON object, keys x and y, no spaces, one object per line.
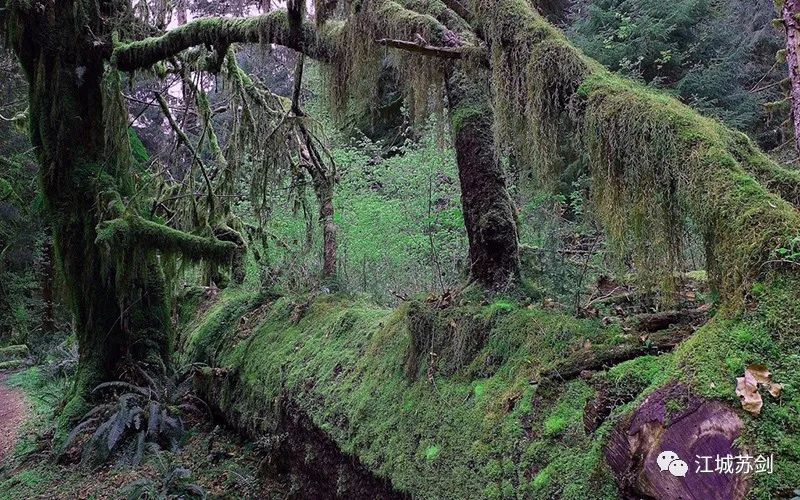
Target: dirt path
{"x":13,"y":411}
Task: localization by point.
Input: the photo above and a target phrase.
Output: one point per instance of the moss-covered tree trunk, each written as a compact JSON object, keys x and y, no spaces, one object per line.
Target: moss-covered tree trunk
{"x":489,"y":214}
{"x":84,"y":180}
{"x":48,"y":277}
{"x":329,"y":245}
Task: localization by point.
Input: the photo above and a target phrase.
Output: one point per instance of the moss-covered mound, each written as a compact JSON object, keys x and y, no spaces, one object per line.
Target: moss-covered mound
{"x":419,"y":401}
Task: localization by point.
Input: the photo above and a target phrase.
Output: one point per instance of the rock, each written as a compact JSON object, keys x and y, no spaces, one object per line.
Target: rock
{"x":671,"y":419}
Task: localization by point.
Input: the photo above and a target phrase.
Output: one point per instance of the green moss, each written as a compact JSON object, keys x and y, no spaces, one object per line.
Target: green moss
{"x":484,"y":427}
{"x":13,"y":352}
{"x":431,"y":452}
{"x":139,"y":152}
{"x":123,"y":235}
{"x":654,"y":162}
{"x":25,"y":483}
{"x":343,"y":362}
{"x":460,"y":116}
{"x":555,"y":425}
{"x":541,"y":480}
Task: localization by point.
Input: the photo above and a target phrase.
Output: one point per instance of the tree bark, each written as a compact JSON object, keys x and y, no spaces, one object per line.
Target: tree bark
{"x":328,"y":235}
{"x":790,"y":13}
{"x":48,"y":286}
{"x":489,"y":214}
{"x":322,"y":177}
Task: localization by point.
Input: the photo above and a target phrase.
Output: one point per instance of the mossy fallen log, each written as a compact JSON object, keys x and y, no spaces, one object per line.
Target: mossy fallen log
{"x":14,"y":352}
{"x":12,"y":364}
{"x":475,"y":423}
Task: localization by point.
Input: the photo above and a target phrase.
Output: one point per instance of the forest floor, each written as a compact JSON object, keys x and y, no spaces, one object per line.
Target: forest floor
{"x":13,"y":413}
{"x":210,"y":457}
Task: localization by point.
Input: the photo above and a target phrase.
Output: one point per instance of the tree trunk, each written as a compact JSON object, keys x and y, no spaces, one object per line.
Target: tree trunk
{"x":48,"y":285}
{"x":118,"y":302}
{"x":790,"y":13}
{"x":489,"y":213}
{"x":322,"y":176}
{"x":329,"y":243}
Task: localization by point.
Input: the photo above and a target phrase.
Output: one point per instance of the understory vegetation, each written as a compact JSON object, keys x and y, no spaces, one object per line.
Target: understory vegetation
{"x":398,"y":248}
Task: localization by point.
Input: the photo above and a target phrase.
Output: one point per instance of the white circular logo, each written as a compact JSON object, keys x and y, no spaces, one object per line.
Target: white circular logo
{"x":670,"y":461}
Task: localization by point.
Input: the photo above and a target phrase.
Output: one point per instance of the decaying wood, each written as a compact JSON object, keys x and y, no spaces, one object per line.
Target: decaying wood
{"x":662,"y":332}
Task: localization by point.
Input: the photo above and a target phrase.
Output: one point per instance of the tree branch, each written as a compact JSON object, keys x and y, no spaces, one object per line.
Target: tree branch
{"x":182,"y":137}
{"x":427,"y":50}
{"x":459,"y":8}
{"x":271,"y":28}
{"x":134,"y":232}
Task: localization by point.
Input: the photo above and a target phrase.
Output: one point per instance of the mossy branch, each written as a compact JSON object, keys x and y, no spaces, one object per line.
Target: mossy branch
{"x":271,"y":28}
{"x":132,"y":232}
{"x":450,"y":53}
{"x":655,"y":163}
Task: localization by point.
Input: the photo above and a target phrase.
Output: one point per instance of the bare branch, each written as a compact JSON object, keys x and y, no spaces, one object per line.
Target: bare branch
{"x":460,"y":9}
{"x":427,"y":50}
{"x":182,"y":137}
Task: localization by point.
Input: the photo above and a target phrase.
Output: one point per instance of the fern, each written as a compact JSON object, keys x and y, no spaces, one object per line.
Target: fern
{"x":170,"y":483}
{"x":135,"y":418}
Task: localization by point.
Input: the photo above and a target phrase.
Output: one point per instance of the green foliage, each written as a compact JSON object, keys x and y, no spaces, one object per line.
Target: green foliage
{"x":789,"y":253}
{"x":137,"y":417}
{"x":709,"y":53}
{"x":22,"y":237}
{"x":400,"y":224}
{"x":171,"y":482}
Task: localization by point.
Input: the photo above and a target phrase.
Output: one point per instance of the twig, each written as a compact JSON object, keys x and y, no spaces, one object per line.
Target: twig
{"x":182,"y":137}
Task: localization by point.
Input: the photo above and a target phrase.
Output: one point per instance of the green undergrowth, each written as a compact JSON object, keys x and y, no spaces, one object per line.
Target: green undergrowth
{"x":486,"y":424}
{"x":215,"y":459}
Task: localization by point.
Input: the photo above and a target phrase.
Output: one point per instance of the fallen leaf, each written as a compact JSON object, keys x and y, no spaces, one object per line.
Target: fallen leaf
{"x":764,"y":377}
{"x":747,"y":390}
{"x":760,"y":373}
{"x":747,"y":387}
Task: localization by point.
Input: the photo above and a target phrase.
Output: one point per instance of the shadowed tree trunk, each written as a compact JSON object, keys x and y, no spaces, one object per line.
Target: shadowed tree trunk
{"x":48,"y":285}
{"x":325,"y":197}
{"x":489,"y":214}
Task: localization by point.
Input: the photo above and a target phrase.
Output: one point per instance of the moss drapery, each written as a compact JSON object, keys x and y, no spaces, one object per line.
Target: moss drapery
{"x":78,"y":124}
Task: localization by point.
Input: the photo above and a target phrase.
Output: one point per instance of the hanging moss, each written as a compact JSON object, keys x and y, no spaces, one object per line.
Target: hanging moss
{"x":654,"y":162}
{"x":358,"y":61}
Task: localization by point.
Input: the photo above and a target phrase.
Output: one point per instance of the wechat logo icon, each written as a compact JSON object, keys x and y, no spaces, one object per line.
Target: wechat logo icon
{"x":670,"y":461}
